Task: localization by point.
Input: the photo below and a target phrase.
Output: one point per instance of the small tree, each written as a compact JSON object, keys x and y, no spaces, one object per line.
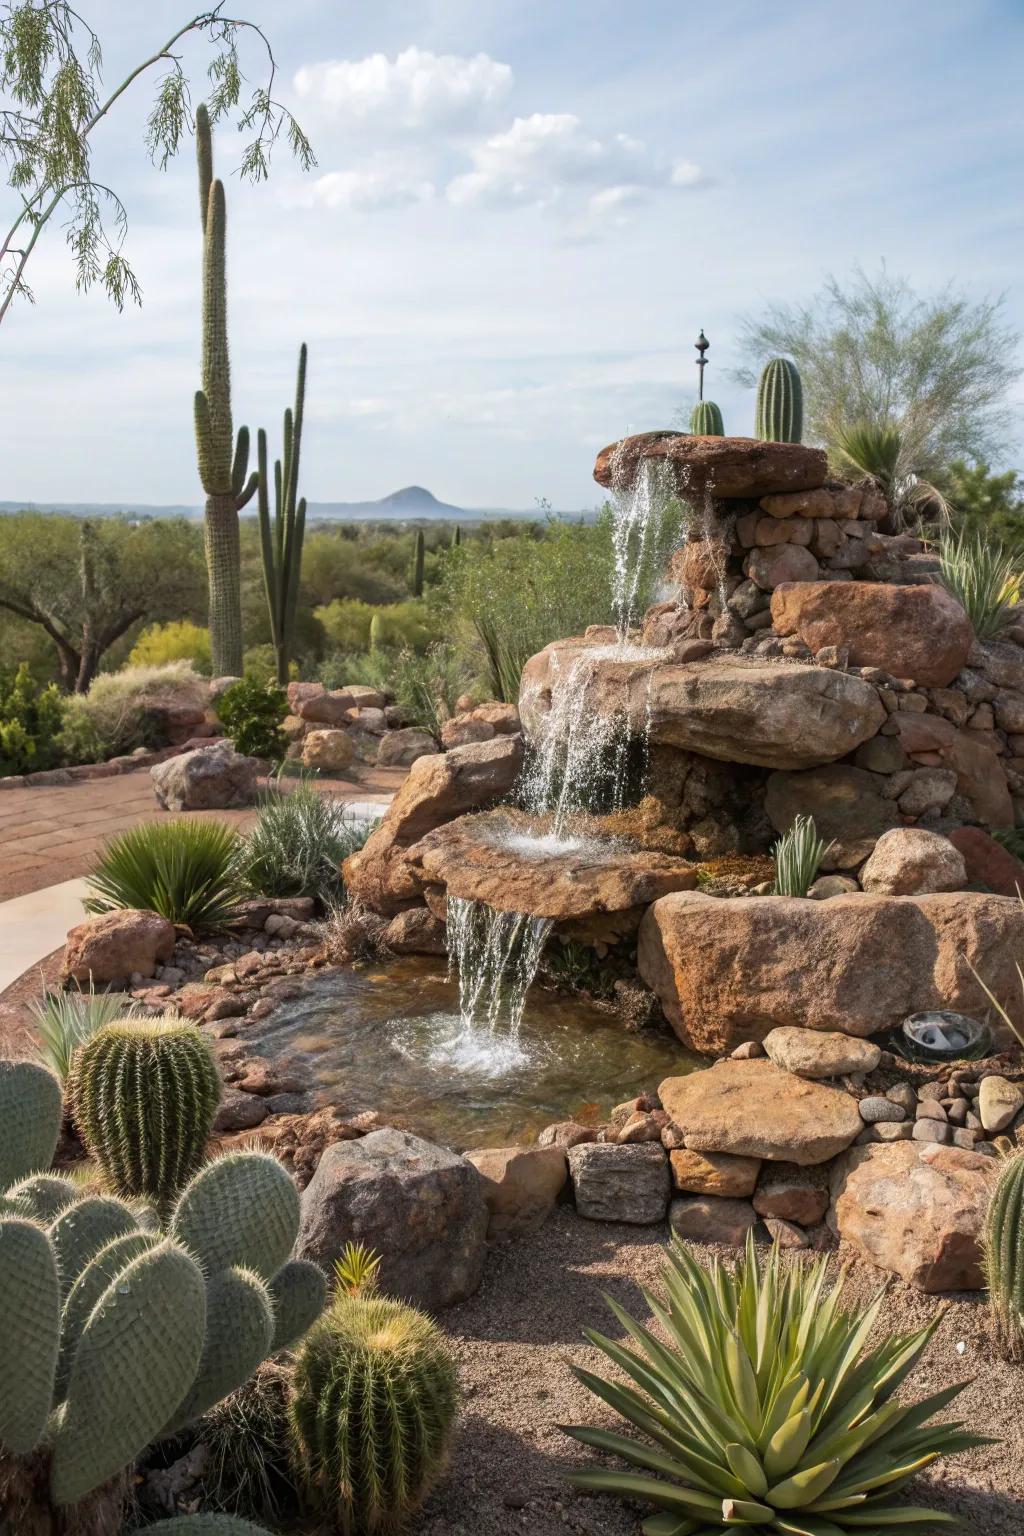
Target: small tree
{"x":50,"y":87}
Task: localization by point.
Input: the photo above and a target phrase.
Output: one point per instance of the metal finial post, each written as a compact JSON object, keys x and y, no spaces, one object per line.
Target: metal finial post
{"x":702,"y":345}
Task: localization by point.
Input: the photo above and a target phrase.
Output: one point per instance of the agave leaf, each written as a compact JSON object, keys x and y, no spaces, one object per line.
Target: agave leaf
{"x":806,"y":1525}
{"x":880,"y":1516}
{"x":669,"y":1525}
{"x":628,"y":1485}
{"x":869,"y":1473}
{"x":747,"y":1468}
{"x":786,"y":1448}
{"x":790,"y":1400}
{"x":745,"y":1512}
{"x":803,"y":1487}
{"x":704,"y":1474}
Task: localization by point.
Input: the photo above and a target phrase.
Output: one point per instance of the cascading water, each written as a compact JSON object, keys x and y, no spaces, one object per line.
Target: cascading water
{"x":495,"y":956}
{"x":637,"y":523}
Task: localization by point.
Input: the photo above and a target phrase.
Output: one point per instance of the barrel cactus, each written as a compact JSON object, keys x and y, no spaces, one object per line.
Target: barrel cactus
{"x":779,"y":414}
{"x":373,"y":1407}
{"x":144,"y":1094}
{"x":706,"y":420}
{"x":767,"y":1408}
{"x":1004,"y":1256}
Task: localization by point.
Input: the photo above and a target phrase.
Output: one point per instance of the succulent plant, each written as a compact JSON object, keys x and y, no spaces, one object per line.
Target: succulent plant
{"x":1004,"y":1256}
{"x":31,"y":1104}
{"x":373,"y":1407}
{"x":281,"y":540}
{"x":241,"y":1211}
{"x":706,"y":420}
{"x":779,"y":412}
{"x":144,"y":1094}
{"x":767,"y":1407}
{"x":798,"y":855}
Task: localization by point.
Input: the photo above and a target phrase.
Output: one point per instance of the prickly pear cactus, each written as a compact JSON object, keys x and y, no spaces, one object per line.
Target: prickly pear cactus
{"x":82,"y":1229}
{"x":30,"y":1112}
{"x":241,"y":1211}
{"x":706,"y":420}
{"x":298,"y":1292}
{"x":30,"y":1288}
{"x":101,"y":1271}
{"x":239,"y":1333}
{"x":779,"y":413}
{"x":43,"y":1196}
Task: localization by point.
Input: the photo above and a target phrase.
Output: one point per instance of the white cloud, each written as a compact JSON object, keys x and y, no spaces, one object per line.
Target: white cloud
{"x":371,"y":189}
{"x":540,"y":159}
{"x":414,"y":91}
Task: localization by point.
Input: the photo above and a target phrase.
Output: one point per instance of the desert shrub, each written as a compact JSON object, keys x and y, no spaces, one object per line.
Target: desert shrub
{"x":766,"y":1405}
{"x":350,"y":933}
{"x":351,"y":625}
{"x":31,"y":716}
{"x":251,"y":713}
{"x":798,"y":855}
{"x":346,"y":623}
{"x":246,"y":1439}
{"x":116,"y":715}
{"x":179,"y":640}
{"x":66,"y":1020}
{"x":426,"y":686}
{"x":185,"y":870}
{"x":259,"y":665}
{"x":298,"y":844}
{"x":983,"y":575}
{"x":372,"y":668}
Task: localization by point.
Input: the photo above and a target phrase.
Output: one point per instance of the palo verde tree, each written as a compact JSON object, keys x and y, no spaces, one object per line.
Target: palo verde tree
{"x":52,"y":101}
{"x":86,"y":583}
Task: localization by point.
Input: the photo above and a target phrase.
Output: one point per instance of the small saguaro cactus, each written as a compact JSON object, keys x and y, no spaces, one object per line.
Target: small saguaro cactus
{"x":373,"y":1406}
{"x":223,"y":459}
{"x":706,"y":420}
{"x":281,"y":539}
{"x":418,"y":559}
{"x":144,"y":1093}
{"x":779,"y":413}
{"x":1004,"y":1256}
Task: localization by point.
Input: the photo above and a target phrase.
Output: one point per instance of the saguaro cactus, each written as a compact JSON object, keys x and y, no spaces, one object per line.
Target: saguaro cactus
{"x":779,"y":414}
{"x":281,"y":541}
{"x":223,"y":459}
{"x":706,"y":420}
{"x":418,"y":559}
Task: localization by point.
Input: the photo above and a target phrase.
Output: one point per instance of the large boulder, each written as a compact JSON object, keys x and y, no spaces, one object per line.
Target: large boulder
{"x":628,"y":1183}
{"x":729,"y":467}
{"x":437,"y":789}
{"x":987,"y":862}
{"x":920,"y":632}
{"x":521,"y":1186}
{"x":737,"y":709}
{"x":916,"y":1209}
{"x":117,"y":945}
{"x":214,"y":778}
{"x":420,"y":1207}
{"x":908,"y":861}
{"x":847,"y":805}
{"x":330,"y":751}
{"x":755,"y":1109}
{"x":730,"y":969}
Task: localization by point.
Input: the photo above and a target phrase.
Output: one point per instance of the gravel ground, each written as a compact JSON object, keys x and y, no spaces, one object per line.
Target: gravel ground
{"x":516,"y":1338}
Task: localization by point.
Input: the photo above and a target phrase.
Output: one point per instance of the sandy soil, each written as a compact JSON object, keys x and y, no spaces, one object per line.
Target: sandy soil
{"x":515,"y":1340}
{"x":16,"y":1029}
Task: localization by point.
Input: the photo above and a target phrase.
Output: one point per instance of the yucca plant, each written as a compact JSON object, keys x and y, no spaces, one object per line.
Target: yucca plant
{"x":893,"y":455}
{"x":356,"y":1271}
{"x":298,"y":845}
{"x":769,"y":1411}
{"x":185,"y":870}
{"x":798,"y":855}
{"x":983,"y":575}
{"x":66,"y":1020}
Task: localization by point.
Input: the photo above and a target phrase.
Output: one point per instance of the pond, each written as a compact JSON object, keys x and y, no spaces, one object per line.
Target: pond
{"x":392,"y":1039}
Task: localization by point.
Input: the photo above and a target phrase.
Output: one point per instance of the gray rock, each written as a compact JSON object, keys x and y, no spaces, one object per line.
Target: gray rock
{"x":628,"y":1183}
{"x":876,"y":1109}
{"x":239,"y":1111}
{"x":421,"y":1207}
{"x":209,"y":779}
{"x":932,"y":1130}
{"x":904,"y":1095}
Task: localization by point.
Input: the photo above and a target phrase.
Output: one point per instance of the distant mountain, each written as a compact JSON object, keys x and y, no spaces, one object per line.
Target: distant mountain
{"x":413,"y":503}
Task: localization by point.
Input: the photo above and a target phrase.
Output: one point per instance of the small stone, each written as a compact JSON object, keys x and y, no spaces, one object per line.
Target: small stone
{"x":998,"y":1103}
{"x":749,"y":1050}
{"x":973,"y":1121}
{"x":710,"y":1219}
{"x":930,"y":1109}
{"x":827,"y":886}
{"x":643,"y":1126}
{"x":791,"y":1193}
{"x":903,"y":1094}
{"x":933,"y":1090}
{"x":875,"y":1109}
{"x":957,"y":1111}
{"x":613,"y":1183}
{"x":786,"y":1233}
{"x":818,"y":1053}
{"x":238,"y":1111}
{"x":672,"y":1136}
{"x":566,"y":1133}
{"x":965,"y":1138}
{"x":714,"y":1173}
{"x":889,"y":1130}
{"x":932,"y":1130}
{"x":262,"y":1008}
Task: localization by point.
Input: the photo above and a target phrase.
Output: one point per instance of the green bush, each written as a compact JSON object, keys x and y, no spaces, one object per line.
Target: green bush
{"x":259,"y":665}
{"x":31,"y":716}
{"x":185,"y":870}
{"x":251,"y":714}
{"x":427,"y":686}
{"x":372,"y":668}
{"x":116,"y":715}
{"x":984,"y":576}
{"x":298,"y":845}
{"x":767,"y":1409}
{"x":347,"y":623}
{"x":179,"y":640}
{"x":66,"y":1020}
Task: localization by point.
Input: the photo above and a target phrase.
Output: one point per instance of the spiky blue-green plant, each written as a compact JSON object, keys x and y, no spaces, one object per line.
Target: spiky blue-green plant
{"x":297,"y":1292}
{"x":144,"y":1094}
{"x":31,"y":1104}
{"x":42,"y":1196}
{"x":80,"y":1230}
{"x":1004,"y":1256}
{"x":779,"y":412}
{"x":798,"y":855}
{"x":281,"y":539}
{"x":706,"y":420}
{"x":373,"y":1407}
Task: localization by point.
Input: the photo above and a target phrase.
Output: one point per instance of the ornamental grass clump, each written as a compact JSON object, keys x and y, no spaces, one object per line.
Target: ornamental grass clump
{"x":185,"y":870}
{"x":984,"y":576}
{"x":767,"y":1409}
{"x":798,"y":855}
{"x":298,"y":845}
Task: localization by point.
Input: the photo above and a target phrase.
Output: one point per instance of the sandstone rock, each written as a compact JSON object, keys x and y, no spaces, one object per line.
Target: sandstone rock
{"x":846,"y":803}
{"x":980,"y":778}
{"x":730,"y":467}
{"x":419,"y":1206}
{"x":920,"y":632}
{"x":787,"y":1192}
{"x":916,"y":1211}
{"x":416,"y":932}
{"x":820,"y":1052}
{"x":710,"y":1219}
{"x":827,"y":886}
{"x":817,"y":503}
{"x":503,"y":717}
{"x":566,"y":1133}
{"x":714,"y":1173}
{"x":908,"y":861}
{"x":782,"y":530}
{"x":614,"y":1183}
{"x":330,"y":751}
{"x":786,"y":1233}
{"x":437,"y":789}
{"x":207,"y":779}
{"x":928,"y":791}
{"x":729,"y":969}
{"x":335,"y":707}
{"x":999,"y":1102}
{"x":754,"y":1109}
{"x":114,"y":946}
{"x":463,"y":729}
{"x":400,"y":748}
{"x":779,"y":563}
{"x":987,"y":862}
{"x":521,"y":1185}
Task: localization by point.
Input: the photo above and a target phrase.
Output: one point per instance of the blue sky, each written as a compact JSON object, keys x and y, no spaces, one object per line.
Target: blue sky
{"x":521,"y":217}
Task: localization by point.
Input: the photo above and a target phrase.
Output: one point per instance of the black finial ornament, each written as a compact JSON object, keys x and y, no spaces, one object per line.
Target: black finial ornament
{"x":702,"y":345}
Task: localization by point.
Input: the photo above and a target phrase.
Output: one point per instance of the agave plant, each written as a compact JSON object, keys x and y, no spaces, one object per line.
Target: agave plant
{"x":66,"y":1020}
{"x":768,"y":1410}
{"x":798,"y":855}
{"x":984,"y":576}
{"x":183,"y":869}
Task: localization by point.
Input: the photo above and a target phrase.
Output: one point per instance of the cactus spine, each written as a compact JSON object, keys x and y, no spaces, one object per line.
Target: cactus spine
{"x":1004,"y":1256}
{"x":30,"y":1114}
{"x":779,"y":414}
{"x":372,"y":1411}
{"x":418,"y":560}
{"x":281,"y":541}
{"x":144,"y":1096}
{"x":706,"y":420}
{"x":223,"y":459}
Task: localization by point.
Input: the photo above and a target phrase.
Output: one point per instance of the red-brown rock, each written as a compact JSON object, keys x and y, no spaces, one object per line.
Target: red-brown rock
{"x":988,"y":862}
{"x":920,"y":632}
{"x":117,"y":945}
{"x":729,"y":467}
{"x":779,"y":564}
